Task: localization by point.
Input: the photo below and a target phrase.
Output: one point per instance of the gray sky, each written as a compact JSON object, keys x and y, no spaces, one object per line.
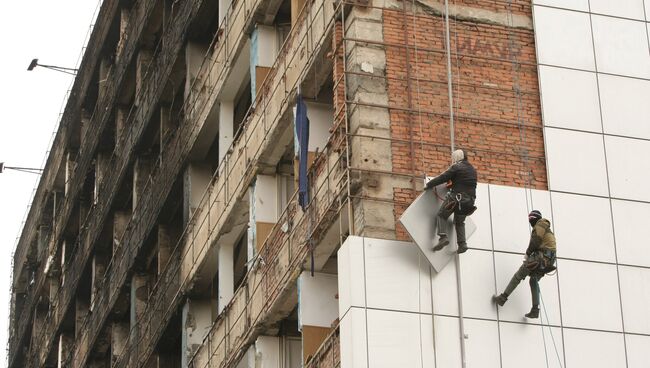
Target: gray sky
{"x":53,"y":32}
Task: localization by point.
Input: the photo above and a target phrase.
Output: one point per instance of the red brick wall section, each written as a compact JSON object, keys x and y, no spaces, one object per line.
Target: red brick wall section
{"x":500,"y":130}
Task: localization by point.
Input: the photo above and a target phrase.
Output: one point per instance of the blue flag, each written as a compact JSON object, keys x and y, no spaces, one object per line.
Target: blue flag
{"x":302,"y":135}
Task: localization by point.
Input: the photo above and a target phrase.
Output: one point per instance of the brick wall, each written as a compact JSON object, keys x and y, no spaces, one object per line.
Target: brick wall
{"x":500,"y":130}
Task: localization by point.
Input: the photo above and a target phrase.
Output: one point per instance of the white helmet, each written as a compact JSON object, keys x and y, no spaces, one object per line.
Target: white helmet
{"x":457,"y":156}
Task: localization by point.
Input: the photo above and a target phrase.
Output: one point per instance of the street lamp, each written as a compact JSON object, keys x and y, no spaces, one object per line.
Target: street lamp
{"x":61,"y":69}
{"x":29,"y":170}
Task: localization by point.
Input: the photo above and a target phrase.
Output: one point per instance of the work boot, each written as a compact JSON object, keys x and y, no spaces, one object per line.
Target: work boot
{"x":462,"y":248}
{"x":500,"y":299}
{"x":444,"y":240}
{"x":534,"y":312}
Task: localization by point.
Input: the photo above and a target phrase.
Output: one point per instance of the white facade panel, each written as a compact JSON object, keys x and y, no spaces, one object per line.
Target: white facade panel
{"x":582,"y":5}
{"x":576,"y":162}
{"x":482,"y":344}
{"x":631,"y":221}
{"x":621,"y":46}
{"x":478,"y":286}
{"x":569,"y":99}
{"x":594,"y":349}
{"x":354,"y":339}
{"x":620,"y":8}
{"x":447,"y":340}
{"x":392,"y":275}
{"x":635,"y":299}
{"x":531,"y":346}
{"x":482,"y":237}
{"x":624,"y":102}
{"x":393,"y":340}
{"x":351,"y":277}
{"x":628,"y":167}
{"x":589,"y":295}
{"x":509,"y":211}
{"x":638,"y":350}
{"x":445,"y":290}
{"x":563,"y":38}
{"x":583,"y":227}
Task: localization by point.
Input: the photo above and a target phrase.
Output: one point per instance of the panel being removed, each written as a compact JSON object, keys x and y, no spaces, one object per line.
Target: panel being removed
{"x":419,"y":222}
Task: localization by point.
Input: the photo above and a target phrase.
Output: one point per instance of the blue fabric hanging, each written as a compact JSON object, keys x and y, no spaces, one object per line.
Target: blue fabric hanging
{"x":302,"y":133}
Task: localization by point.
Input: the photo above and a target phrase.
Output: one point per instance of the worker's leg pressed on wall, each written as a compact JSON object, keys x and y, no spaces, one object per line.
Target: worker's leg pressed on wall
{"x":519,"y":276}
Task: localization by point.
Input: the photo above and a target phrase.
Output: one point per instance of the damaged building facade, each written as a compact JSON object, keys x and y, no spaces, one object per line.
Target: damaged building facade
{"x":166,"y":229}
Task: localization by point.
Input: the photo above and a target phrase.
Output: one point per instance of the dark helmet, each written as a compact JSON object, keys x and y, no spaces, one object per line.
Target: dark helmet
{"x":534,"y":216}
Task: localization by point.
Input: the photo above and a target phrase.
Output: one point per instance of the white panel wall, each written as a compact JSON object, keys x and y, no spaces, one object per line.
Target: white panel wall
{"x":597,"y":140}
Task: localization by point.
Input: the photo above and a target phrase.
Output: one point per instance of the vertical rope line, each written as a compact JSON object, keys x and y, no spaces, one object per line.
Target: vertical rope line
{"x":524,"y":154}
{"x":417,"y":87}
{"x":450,"y":92}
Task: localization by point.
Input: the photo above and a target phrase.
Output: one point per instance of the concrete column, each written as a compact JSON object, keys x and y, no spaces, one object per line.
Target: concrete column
{"x":372,"y":218}
{"x":196,"y":323}
{"x":263,"y":211}
{"x":44,"y":232}
{"x":267,"y":351}
{"x":165,"y":247}
{"x":194,"y":54}
{"x":141,"y":171}
{"x":121,"y":115}
{"x":124,"y":23}
{"x":296,"y":8}
{"x":104,"y":70}
{"x":139,"y":294}
{"x":66,"y":341}
{"x":119,"y":337}
{"x":223,"y":10}
{"x":142,"y":64}
{"x":81,"y":309}
{"x":66,"y":250}
{"x":226,"y":127}
{"x":98,"y":363}
{"x":101,"y":167}
{"x":85,"y":123}
{"x":53,"y":285}
{"x":98,"y":269}
{"x":226,"y":275}
{"x":166,"y":125}
{"x":195,"y":181}
{"x":120,"y":220}
{"x":70,"y":166}
{"x":264,"y":51}
{"x":138,"y":302}
{"x":248,"y":360}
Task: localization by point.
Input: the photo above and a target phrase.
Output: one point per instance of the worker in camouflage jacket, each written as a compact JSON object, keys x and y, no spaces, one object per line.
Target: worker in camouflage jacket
{"x":540,"y":259}
{"x":459,"y":200}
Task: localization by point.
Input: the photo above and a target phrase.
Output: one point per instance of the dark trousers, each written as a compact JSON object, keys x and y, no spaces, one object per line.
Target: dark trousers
{"x":533,"y":281}
{"x":449,"y":206}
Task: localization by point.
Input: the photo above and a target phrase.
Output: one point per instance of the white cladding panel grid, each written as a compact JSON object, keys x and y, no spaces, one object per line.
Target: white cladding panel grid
{"x":387,"y":289}
{"x":597,"y":139}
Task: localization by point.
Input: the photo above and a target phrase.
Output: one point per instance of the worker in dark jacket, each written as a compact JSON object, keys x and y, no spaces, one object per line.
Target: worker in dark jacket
{"x":459,"y":200}
{"x":540,"y":259}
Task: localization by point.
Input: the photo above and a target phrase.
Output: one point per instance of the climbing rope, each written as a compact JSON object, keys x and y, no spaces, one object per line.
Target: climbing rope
{"x":548,"y":322}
